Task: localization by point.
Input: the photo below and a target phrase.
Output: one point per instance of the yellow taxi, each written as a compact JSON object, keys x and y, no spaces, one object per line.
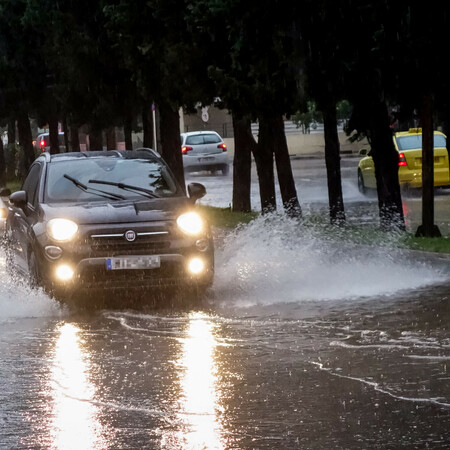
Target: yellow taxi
{"x":409,"y":147}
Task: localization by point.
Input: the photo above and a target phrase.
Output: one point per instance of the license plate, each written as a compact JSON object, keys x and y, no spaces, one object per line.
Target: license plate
{"x":206,"y":159}
{"x":133,"y":262}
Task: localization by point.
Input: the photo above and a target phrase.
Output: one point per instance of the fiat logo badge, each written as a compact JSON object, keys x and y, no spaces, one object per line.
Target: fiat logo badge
{"x":130,"y":235}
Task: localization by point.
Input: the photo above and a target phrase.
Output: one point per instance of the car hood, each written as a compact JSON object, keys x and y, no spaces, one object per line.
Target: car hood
{"x":118,"y":211}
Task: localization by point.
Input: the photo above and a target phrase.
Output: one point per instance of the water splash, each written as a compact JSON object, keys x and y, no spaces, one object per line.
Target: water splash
{"x":17,"y":300}
{"x":275,"y":259}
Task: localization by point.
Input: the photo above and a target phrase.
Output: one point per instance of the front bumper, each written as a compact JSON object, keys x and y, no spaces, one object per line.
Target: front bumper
{"x":93,"y":274}
{"x":413,"y":178}
{"x":89,"y":259}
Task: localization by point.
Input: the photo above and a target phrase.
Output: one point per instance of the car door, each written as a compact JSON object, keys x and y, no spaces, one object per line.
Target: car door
{"x":22,"y":219}
{"x":367,"y":167}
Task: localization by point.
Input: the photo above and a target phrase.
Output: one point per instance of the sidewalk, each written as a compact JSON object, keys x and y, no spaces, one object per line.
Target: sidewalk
{"x":307,"y":146}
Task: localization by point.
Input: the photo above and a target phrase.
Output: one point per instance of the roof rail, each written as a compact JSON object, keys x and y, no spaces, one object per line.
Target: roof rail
{"x":149,"y":150}
{"x":119,"y":153}
{"x":66,"y":154}
{"x":46,"y":155}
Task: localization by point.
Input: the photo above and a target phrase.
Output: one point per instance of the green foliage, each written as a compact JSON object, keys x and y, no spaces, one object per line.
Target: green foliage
{"x":225,"y":217}
{"x":14,"y":185}
{"x":437,"y":245}
{"x":311,"y":116}
{"x":307,"y":118}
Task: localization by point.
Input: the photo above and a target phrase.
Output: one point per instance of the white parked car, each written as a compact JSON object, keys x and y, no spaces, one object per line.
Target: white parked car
{"x":43,"y":142}
{"x":204,"y":150}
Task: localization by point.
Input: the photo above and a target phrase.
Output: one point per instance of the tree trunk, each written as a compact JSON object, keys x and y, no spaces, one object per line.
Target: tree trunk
{"x":385,"y":158}
{"x":12,"y":132}
{"x":284,"y":168}
{"x":273,"y":141}
{"x":66,"y":134}
{"x":74,"y":143}
{"x":264,"y":167}
{"x":95,"y":140}
{"x":333,"y":164}
{"x":171,"y":142}
{"x":147,"y":125}
{"x":128,"y":131}
{"x":2,"y":165}
{"x":428,"y":228}
{"x":25,"y":142}
{"x":11,"y":151}
{"x":53,"y":134}
{"x":110,"y":133}
{"x":244,"y":146}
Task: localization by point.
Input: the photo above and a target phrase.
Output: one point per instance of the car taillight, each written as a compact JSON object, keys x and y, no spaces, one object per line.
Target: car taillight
{"x":401,"y":160}
{"x":223,"y":147}
{"x":185,"y":149}
{"x":42,"y":143}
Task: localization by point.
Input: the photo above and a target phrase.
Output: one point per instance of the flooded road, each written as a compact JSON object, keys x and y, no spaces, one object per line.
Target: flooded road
{"x":303,"y":342}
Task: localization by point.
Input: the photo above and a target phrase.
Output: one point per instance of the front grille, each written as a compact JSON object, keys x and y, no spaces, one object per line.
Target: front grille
{"x":113,"y":248}
{"x":115,"y":244}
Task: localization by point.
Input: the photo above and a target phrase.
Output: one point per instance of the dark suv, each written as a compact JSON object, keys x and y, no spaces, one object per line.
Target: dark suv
{"x":107,"y":220}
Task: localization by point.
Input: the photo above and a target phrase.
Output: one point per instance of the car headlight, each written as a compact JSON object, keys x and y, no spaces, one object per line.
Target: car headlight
{"x":191,"y":223}
{"x":61,"y":229}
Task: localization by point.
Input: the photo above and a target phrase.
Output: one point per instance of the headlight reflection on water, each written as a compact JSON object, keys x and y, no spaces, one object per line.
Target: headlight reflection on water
{"x":198,"y":382}
{"x":75,"y":421}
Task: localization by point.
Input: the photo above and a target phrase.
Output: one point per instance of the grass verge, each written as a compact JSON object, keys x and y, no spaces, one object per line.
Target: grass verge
{"x":14,"y":185}
{"x":364,"y":235}
{"x":225,"y":217}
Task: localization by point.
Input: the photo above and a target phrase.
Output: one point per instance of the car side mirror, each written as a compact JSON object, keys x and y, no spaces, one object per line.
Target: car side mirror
{"x":196,"y":191}
{"x":5,"y":192}
{"x":18,"y":199}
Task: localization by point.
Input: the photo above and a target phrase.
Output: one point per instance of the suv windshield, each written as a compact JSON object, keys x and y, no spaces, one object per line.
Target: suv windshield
{"x":143,"y":174}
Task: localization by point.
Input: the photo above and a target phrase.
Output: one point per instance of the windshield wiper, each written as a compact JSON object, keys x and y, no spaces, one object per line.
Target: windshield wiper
{"x":98,"y":192}
{"x":127,"y":187}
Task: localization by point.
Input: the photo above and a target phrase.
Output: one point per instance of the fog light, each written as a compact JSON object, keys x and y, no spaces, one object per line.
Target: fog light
{"x":196,"y":266}
{"x":64,"y":272}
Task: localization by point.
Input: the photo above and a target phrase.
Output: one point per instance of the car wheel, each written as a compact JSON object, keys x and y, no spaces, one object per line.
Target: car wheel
{"x":361,"y":186}
{"x":225,"y":169}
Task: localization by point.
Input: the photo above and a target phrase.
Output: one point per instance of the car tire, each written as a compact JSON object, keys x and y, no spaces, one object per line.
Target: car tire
{"x":361,"y":186}
{"x":225,"y":170}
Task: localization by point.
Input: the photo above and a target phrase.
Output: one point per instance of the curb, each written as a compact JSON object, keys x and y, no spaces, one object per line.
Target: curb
{"x":345,"y":154}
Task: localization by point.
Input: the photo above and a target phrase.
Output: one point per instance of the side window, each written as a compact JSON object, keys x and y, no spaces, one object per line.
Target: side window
{"x":31,"y":183}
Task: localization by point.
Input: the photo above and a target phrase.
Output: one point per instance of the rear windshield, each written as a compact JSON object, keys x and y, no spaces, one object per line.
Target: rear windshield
{"x":415,"y":142}
{"x":146,"y":174}
{"x":198,"y":139}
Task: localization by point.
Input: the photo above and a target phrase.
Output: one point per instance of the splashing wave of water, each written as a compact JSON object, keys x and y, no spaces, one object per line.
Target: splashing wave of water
{"x":274,"y":259}
{"x":18,"y":300}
